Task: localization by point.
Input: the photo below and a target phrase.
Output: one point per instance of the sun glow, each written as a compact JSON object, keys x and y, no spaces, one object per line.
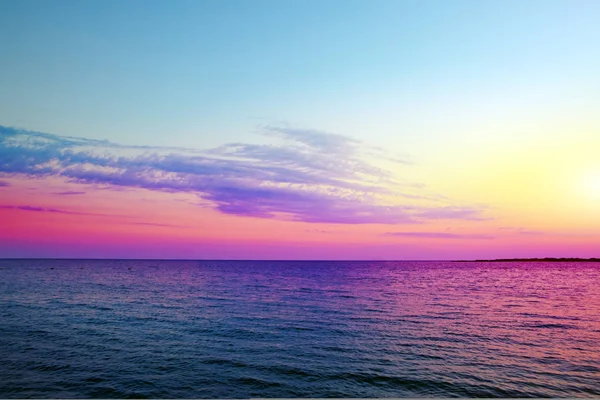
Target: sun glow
{"x":591,"y":184}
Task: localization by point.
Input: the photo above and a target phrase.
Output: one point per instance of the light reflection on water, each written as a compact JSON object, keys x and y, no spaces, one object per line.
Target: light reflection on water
{"x":298,"y":329}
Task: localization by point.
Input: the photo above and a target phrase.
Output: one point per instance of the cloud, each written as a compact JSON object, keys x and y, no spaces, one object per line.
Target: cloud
{"x":521,"y":231}
{"x":38,"y":209}
{"x":151,"y":224}
{"x":122,"y":219}
{"x":449,"y":212}
{"x":439,"y":235}
{"x":311,"y":177}
{"x":69,"y":193}
{"x":316,"y":140}
{"x":331,"y":143}
{"x":303,"y":205}
{"x":4,"y":184}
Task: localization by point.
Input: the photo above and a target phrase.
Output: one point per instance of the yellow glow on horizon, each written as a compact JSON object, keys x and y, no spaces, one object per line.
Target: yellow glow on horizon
{"x":591,"y":184}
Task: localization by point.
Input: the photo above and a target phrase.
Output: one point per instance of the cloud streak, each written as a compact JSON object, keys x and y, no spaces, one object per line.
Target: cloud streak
{"x":313,"y":176}
{"x":69,"y":193}
{"x":41,"y":209}
{"x":438,"y":235}
{"x":120,"y":218}
{"x":521,"y":231}
{"x":152,"y":224}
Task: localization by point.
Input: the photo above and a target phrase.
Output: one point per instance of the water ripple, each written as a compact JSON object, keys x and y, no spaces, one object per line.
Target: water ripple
{"x":238,"y":329}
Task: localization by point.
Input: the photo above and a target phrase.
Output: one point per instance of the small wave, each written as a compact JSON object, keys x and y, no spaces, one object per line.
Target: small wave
{"x":395,"y":381}
{"x":584,"y":368}
{"x":38,"y":332}
{"x":287,"y":371}
{"x":554,"y":317}
{"x":513,"y":305}
{"x":336,"y":349}
{"x":112,"y":393}
{"x":375,"y":310}
{"x":96,"y":307}
{"x":223,"y":361}
{"x":297,"y":328}
{"x":258,"y":383}
{"x":94,"y":379}
{"x":551,"y":326}
{"x":51,"y":368}
{"x":428,"y":386}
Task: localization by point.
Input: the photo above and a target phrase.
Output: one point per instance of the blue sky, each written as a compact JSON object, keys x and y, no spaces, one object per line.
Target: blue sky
{"x":202,"y":73}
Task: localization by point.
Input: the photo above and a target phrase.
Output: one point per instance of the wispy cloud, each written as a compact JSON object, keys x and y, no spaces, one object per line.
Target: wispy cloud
{"x":450,"y":212}
{"x":121,"y":219}
{"x":311,"y":177}
{"x":318,"y":231}
{"x":521,"y":231}
{"x":151,"y":224}
{"x":69,"y":193}
{"x":4,"y":184}
{"x":39,"y":209}
{"x":439,"y":235}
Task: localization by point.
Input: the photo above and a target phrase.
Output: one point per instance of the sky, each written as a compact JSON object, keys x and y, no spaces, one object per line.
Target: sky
{"x":269,"y":129}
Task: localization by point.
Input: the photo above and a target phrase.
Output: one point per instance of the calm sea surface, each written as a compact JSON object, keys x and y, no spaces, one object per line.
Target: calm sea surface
{"x":238,"y":329}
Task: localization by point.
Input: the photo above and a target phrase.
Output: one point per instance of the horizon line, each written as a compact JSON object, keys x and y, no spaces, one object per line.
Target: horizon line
{"x":306,"y":260}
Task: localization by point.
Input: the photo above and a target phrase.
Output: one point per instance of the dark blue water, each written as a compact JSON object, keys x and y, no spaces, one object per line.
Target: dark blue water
{"x":182,"y":329}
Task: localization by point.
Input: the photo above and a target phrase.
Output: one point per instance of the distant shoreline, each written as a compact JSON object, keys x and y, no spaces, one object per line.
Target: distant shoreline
{"x":547,"y":259}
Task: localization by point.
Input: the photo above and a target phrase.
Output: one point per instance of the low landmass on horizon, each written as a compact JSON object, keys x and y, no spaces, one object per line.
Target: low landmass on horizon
{"x":547,"y":259}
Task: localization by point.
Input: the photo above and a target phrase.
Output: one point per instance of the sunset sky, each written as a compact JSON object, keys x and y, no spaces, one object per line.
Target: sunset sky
{"x":288,"y":129}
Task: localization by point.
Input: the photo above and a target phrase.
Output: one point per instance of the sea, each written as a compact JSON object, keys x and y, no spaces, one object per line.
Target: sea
{"x":283,"y":329}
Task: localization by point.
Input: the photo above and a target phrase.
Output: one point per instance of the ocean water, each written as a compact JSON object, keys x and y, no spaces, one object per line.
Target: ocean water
{"x":239,"y":329}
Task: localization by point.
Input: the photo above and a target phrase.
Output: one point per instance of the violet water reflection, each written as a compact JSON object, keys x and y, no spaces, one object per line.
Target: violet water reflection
{"x":216,"y":329}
